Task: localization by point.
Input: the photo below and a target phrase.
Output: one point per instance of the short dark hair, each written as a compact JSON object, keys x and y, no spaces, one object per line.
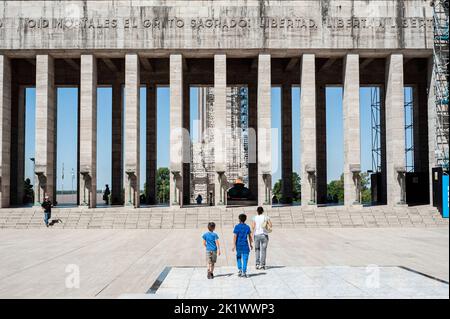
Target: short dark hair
{"x":260,"y":210}
{"x":211,"y":226}
{"x":242,"y":218}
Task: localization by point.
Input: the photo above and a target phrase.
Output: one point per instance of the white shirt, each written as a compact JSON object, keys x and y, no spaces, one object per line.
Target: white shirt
{"x":259,"y":220}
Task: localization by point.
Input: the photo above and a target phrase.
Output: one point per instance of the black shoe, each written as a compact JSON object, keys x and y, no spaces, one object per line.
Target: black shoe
{"x":262,"y":268}
{"x":212,"y":275}
{"x":245,"y":275}
{"x":240,"y":273}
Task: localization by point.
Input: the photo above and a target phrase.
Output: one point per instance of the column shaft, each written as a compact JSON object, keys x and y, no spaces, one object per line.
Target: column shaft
{"x":88,"y":131}
{"x":176,"y":129}
{"x":186,"y":191}
{"x":5,"y":130}
{"x":45,"y":128}
{"x":321,"y":143}
{"x":117,"y":192}
{"x":132,"y":130}
{"x":395,"y":127}
{"x":151,"y":141}
{"x":252,"y":144}
{"x":308,"y":154}
{"x":350,"y":108}
{"x":220,"y":106}
{"x":286,"y":143}
{"x":420,"y":125}
{"x":264,"y":130}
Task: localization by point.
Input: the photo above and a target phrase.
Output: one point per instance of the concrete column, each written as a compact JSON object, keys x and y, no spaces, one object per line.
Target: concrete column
{"x":5,"y":130}
{"x":383,"y":196}
{"x":420,"y":126}
{"x":264,"y":130}
{"x":308,"y":129}
{"x":132,"y":132}
{"x":18,"y":148}
{"x":45,"y":128}
{"x":176,"y":129}
{"x":151,"y":140}
{"x":252,"y":145}
{"x":220,"y":106}
{"x":352,"y":148}
{"x":88,"y":131}
{"x":186,"y":192}
{"x":321,"y":143}
{"x":286,"y":143}
{"x":117,"y":192}
{"x":395,"y":129}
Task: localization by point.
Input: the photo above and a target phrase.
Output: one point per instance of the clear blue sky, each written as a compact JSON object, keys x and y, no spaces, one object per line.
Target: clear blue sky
{"x":67,"y":132}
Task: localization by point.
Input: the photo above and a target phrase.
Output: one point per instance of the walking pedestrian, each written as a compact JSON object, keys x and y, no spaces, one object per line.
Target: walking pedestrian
{"x":242,"y":245}
{"x":261,"y":227}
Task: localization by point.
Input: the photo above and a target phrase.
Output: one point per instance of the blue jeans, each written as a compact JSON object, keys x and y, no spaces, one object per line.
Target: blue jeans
{"x":242,"y":260}
{"x":47,"y":217}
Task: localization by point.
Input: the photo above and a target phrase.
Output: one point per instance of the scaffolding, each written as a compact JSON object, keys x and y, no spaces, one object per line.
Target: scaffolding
{"x":409,"y":128}
{"x":375,"y":109}
{"x":440,"y":74}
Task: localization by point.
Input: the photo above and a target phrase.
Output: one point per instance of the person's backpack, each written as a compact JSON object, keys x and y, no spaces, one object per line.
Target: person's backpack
{"x":266,"y":226}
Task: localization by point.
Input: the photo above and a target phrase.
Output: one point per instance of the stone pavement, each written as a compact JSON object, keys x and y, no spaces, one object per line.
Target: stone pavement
{"x":198,"y":217}
{"x":300,"y":282}
{"x":40,"y":263}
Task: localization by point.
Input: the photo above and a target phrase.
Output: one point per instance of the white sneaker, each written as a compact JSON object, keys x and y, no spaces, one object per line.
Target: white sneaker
{"x":258,"y":267}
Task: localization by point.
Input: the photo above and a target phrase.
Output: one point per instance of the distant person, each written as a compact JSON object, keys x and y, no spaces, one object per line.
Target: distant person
{"x":211,"y":199}
{"x":242,"y":245}
{"x":47,"y":207}
{"x":106,"y":194}
{"x":199,"y":199}
{"x":212,"y":245}
{"x":274,"y":200}
{"x":261,"y":227}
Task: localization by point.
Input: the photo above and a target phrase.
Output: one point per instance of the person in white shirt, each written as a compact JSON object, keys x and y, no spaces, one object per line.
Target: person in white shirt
{"x":261,"y":237}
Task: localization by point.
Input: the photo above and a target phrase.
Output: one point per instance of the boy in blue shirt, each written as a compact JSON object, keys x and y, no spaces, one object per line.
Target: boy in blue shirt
{"x":212,"y":245}
{"x":242,"y":238}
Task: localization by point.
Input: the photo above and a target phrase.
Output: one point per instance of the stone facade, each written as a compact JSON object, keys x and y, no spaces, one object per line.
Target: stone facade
{"x":257,"y":44}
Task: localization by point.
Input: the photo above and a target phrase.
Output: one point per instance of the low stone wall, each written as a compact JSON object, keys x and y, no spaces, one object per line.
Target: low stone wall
{"x":167,"y":218}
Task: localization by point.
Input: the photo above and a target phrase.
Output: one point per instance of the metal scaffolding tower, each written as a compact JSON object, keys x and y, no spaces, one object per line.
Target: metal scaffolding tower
{"x":375,"y":108}
{"x":440,"y":73}
{"x":409,"y":128}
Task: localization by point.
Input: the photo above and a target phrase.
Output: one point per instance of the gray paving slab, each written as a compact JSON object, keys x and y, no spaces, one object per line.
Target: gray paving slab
{"x":116,"y":262}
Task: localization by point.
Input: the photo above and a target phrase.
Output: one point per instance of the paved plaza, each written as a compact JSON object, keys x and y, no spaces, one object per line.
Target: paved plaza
{"x":115,"y":263}
{"x":301,"y":282}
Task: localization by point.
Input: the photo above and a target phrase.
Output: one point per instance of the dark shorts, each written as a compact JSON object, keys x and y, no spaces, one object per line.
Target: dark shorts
{"x":211,"y":257}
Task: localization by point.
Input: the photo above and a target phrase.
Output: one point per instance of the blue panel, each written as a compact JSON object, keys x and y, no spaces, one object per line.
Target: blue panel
{"x":445,"y":196}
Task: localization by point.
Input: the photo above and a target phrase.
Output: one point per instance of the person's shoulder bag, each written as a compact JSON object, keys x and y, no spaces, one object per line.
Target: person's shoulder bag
{"x":266,"y":225}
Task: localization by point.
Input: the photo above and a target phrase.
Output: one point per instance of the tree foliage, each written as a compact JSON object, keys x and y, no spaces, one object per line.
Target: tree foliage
{"x":163,"y":184}
{"x":296,"y":190}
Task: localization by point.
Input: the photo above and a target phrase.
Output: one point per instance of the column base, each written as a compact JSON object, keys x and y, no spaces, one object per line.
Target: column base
{"x":400,"y":204}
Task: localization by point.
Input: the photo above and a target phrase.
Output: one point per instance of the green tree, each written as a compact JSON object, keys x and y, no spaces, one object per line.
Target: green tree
{"x":296,"y":189}
{"x":276,"y":191}
{"x":335,"y":191}
{"x":366,"y":194}
{"x":28,"y":192}
{"x":163,"y":184}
